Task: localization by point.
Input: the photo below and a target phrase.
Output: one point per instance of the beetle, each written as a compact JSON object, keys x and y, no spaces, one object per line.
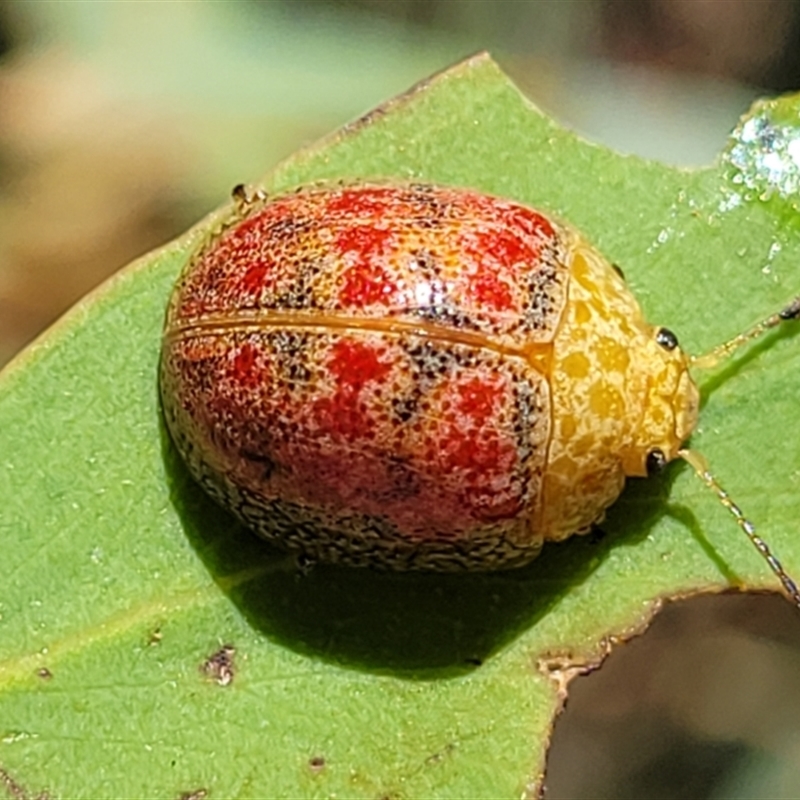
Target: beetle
{"x":420,"y":377}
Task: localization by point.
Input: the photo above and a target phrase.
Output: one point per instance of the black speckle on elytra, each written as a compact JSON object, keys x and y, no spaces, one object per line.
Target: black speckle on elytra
{"x":430,"y":361}
{"x":434,"y":210}
{"x":299,"y":292}
{"x":546,"y":288}
{"x":426,"y":263}
{"x":291,"y":349}
{"x":404,"y":408}
{"x":287,"y":229}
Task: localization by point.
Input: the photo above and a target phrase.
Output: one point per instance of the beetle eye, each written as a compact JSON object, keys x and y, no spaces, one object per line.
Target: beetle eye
{"x":656,"y":461}
{"x":666,"y":338}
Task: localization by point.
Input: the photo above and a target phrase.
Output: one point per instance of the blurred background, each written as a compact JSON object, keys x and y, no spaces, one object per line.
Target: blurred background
{"x":122,"y":123}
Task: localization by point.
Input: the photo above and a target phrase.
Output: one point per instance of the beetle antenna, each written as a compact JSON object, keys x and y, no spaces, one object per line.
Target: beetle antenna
{"x":722,"y":351}
{"x":700,"y":466}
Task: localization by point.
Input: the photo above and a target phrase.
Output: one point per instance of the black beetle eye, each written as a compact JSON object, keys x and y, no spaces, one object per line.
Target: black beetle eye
{"x":666,"y":338}
{"x":656,"y":461}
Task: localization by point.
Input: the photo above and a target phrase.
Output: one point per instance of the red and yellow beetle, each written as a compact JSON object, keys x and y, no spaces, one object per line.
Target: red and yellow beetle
{"x":417,"y":376}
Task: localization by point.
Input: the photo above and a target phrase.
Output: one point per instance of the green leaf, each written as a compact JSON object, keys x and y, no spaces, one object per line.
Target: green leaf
{"x":121,"y":580}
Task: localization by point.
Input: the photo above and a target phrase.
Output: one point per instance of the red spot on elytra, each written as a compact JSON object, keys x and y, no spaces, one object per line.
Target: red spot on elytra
{"x":253,"y":279}
{"x":366,"y":241}
{"x":490,"y":291}
{"x":341,"y":416}
{"x":479,"y":453}
{"x":354,"y":363}
{"x":497,"y":260}
{"x":527,"y":222}
{"x":351,"y":202}
{"x":505,"y":248}
{"x":364,"y":285}
{"x":244,"y":365}
{"x":477,"y":399}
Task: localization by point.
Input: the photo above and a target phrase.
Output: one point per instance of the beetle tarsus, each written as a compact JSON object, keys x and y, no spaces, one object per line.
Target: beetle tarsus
{"x":792,"y":311}
{"x":244,"y":199}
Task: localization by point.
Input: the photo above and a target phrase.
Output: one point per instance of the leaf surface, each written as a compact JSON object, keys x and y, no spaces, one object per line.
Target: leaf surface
{"x":121,"y":580}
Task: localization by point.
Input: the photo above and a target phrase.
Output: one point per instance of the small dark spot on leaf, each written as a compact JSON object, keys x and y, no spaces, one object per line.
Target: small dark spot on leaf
{"x":446,"y":751}
{"x":219,"y":666}
{"x":196,"y":794}
{"x":316,"y":764}
{"x":155,"y":637}
{"x":44,"y":673}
